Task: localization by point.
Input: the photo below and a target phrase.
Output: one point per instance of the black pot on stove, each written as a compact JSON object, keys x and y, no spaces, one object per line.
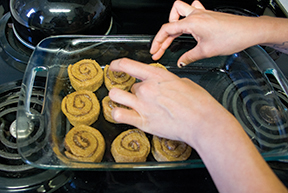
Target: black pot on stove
{"x":34,"y":20}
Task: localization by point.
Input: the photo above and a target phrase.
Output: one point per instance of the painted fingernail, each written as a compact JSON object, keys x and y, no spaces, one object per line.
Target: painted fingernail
{"x":181,"y":64}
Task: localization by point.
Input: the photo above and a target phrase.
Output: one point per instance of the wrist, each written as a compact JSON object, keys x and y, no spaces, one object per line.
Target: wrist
{"x":272,"y":30}
{"x":219,"y":131}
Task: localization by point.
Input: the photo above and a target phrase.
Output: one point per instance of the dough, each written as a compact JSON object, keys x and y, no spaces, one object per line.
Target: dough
{"x":108,"y":105}
{"x":84,"y":143}
{"x":130,"y":146}
{"x":81,"y":107}
{"x":85,"y":75}
{"x":169,"y":150}
{"x":117,"y":79}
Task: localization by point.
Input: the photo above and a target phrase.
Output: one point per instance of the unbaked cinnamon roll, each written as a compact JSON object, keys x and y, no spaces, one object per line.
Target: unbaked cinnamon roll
{"x":130,"y":146}
{"x":84,"y":143}
{"x":81,"y":107}
{"x":169,"y":150}
{"x":85,"y":75}
{"x":108,"y":105}
{"x":120,"y":80}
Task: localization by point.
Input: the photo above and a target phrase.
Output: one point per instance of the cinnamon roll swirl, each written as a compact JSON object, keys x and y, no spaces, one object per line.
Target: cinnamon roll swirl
{"x":84,"y":143}
{"x":81,"y":107}
{"x":130,"y":146}
{"x":169,"y":150}
{"x":108,"y":105}
{"x":85,"y":75}
{"x":120,"y":80}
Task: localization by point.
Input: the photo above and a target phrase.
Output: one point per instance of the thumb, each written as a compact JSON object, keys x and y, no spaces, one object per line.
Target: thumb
{"x":197,"y":5}
{"x":190,"y":56}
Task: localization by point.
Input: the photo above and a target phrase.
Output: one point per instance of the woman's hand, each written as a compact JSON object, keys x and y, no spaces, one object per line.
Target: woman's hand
{"x":216,"y":33}
{"x":164,"y":104}
{"x":176,"y":108}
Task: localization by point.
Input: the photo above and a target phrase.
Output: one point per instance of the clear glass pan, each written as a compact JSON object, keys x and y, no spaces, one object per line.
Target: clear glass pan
{"x":248,"y":84}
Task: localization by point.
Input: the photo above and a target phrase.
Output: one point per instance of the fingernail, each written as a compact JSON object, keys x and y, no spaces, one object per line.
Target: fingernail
{"x":181,"y":64}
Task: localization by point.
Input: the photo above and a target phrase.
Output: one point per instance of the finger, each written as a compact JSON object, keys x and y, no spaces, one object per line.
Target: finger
{"x":127,"y":116}
{"x":164,"y":38}
{"x":123,"y":97}
{"x":197,"y":5}
{"x":133,"y":68}
{"x":135,"y":87}
{"x":190,"y":56}
{"x":158,"y":48}
{"x":179,"y":8}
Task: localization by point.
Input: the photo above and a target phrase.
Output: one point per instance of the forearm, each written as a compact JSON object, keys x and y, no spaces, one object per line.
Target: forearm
{"x":232,"y":160}
{"x":274,"y":33}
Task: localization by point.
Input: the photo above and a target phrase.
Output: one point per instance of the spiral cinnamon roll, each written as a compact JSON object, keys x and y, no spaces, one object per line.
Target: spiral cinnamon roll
{"x":130,"y":146}
{"x":169,"y":150}
{"x":84,"y":143}
{"x":120,"y":80}
{"x":158,"y":65}
{"x":85,"y":75}
{"x":108,"y":105}
{"x":81,"y":107}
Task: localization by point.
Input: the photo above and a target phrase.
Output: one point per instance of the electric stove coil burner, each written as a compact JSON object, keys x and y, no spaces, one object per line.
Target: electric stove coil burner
{"x":14,"y":173}
{"x":269,"y":114}
{"x":259,"y":113}
{"x":14,"y":50}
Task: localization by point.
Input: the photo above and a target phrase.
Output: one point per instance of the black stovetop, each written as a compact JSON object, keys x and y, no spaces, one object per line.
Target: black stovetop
{"x":146,"y":17}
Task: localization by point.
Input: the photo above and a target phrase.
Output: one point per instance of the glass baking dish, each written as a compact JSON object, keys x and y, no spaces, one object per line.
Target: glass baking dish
{"x":248,"y":84}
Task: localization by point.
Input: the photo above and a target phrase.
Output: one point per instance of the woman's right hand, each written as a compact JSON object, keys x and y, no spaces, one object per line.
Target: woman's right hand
{"x":216,"y":33}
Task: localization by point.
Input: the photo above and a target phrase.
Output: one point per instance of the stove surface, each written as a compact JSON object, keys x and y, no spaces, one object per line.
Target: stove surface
{"x":8,"y":73}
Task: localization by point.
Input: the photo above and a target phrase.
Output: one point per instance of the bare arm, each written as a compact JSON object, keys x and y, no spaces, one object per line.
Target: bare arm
{"x":283,"y":47}
{"x":218,"y":33}
{"x":231,"y":158}
{"x":184,"y":111}
{"x":233,"y":162}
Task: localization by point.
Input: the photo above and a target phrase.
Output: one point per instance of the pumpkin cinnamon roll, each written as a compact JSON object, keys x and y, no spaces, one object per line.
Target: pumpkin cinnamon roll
{"x":120,"y":80}
{"x":158,"y":65}
{"x":130,"y":146}
{"x":84,"y":143}
{"x":108,"y":105}
{"x":85,"y":75}
{"x":81,"y":107}
{"x":169,"y":150}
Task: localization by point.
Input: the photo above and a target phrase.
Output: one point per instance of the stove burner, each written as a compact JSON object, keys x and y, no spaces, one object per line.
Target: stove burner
{"x":270,"y":114}
{"x":12,"y":129}
{"x":14,"y":173}
{"x":14,"y":50}
{"x":258,"y":107}
{"x":257,"y":112}
{"x":13,"y":132}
